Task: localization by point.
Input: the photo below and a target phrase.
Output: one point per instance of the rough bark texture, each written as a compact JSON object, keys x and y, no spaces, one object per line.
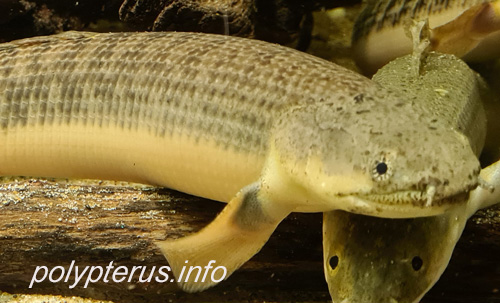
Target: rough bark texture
{"x":233,"y":17}
{"x":27,"y":18}
{"x":279,"y":21}
{"x":52,"y":223}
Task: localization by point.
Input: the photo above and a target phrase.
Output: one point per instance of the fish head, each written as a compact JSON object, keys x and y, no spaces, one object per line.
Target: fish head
{"x":382,"y":158}
{"x":378,"y":260}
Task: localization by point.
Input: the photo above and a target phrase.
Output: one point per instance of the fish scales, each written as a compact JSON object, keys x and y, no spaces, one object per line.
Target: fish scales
{"x":204,"y":87}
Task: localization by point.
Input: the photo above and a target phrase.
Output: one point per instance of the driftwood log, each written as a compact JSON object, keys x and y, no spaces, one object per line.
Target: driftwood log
{"x":52,"y":223}
{"x":233,"y":17}
{"x":279,"y":21}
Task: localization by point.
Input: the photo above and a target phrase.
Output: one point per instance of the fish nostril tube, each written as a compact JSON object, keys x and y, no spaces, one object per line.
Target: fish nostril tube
{"x":430,"y":193}
{"x":425,"y":182}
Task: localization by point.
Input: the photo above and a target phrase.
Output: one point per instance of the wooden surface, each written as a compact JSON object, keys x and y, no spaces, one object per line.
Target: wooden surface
{"x":222,"y":16}
{"x":52,"y":223}
{"x":278,"y":21}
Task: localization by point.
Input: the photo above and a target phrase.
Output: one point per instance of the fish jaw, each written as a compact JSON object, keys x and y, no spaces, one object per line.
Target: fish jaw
{"x":302,"y":189}
{"x":413,"y":204}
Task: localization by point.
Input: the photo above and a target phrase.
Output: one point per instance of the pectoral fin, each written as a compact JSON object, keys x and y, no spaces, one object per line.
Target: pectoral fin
{"x":463,"y":34}
{"x":487,"y":194}
{"x":238,"y":233}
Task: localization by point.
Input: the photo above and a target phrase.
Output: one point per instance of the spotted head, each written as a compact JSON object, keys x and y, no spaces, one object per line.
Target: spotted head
{"x":377,"y":260}
{"x":375,"y":154}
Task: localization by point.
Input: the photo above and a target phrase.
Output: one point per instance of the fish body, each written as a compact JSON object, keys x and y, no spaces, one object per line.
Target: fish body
{"x":266,"y":128}
{"x":468,"y":29}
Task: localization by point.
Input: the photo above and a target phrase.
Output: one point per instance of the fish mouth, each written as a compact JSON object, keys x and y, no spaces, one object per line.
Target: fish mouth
{"x":421,"y":199}
{"x":407,"y":204}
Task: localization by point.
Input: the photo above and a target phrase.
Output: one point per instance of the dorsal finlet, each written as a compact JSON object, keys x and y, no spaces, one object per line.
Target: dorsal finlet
{"x":420,"y":34}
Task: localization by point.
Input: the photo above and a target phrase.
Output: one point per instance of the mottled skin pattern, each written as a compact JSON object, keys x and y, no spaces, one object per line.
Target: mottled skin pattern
{"x":446,"y":86}
{"x":379,"y":260}
{"x":266,"y":128}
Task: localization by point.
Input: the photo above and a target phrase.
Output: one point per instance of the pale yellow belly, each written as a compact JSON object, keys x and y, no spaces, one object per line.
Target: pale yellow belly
{"x":76,"y":151}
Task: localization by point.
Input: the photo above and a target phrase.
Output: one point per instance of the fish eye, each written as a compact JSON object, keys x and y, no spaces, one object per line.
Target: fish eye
{"x":381,"y":170}
{"x":334,"y":262}
{"x":417,"y":263}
